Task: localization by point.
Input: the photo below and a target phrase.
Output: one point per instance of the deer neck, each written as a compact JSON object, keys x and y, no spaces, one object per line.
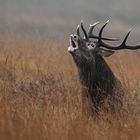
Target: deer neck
{"x":96,"y":75}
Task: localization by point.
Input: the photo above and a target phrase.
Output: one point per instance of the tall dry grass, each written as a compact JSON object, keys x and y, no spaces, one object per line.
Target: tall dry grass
{"x":40,"y":94}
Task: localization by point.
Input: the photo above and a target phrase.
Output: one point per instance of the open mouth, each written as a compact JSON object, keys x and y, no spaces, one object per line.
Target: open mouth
{"x":73,"y":44}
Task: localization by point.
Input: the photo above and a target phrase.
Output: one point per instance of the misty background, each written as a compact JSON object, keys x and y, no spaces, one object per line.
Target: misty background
{"x":60,"y":17}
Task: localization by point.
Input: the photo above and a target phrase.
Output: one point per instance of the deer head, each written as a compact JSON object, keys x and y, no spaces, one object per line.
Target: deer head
{"x":84,"y":49}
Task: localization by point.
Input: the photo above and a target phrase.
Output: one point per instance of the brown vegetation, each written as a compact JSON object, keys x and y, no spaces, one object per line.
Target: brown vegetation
{"x":40,"y":94}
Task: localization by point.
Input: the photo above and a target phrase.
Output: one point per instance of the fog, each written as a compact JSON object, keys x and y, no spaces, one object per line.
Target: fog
{"x":62,"y":16}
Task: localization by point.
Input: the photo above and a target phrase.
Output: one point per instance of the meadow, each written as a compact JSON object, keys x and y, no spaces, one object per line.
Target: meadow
{"x":40,"y":93}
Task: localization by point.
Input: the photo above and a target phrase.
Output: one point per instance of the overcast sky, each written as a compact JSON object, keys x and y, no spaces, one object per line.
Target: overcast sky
{"x":62,"y":15}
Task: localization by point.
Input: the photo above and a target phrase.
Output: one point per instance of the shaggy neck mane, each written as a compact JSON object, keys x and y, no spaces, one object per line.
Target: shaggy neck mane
{"x":97,"y":77}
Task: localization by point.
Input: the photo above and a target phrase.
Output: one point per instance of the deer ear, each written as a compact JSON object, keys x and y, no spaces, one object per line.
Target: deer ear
{"x":105,"y":53}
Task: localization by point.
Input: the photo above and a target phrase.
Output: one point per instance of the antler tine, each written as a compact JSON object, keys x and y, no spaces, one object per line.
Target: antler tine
{"x":78,"y":32}
{"x":91,"y":35}
{"x":123,"y":44}
{"x":126,"y":37}
{"x":101,"y":31}
{"x":91,"y":29}
{"x":84,"y":31}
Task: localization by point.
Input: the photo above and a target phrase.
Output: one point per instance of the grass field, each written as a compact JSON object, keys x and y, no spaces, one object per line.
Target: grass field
{"x":40,"y":97}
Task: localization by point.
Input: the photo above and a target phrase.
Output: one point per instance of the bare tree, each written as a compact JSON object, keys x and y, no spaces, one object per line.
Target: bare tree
{"x":95,"y":75}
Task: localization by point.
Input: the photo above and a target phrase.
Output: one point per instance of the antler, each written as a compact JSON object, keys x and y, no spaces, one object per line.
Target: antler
{"x":90,"y":34}
{"x":123,"y":44}
{"x":83,"y":29}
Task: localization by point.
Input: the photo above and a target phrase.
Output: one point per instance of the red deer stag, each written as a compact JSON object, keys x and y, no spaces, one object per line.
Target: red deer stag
{"x":94,"y":73}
